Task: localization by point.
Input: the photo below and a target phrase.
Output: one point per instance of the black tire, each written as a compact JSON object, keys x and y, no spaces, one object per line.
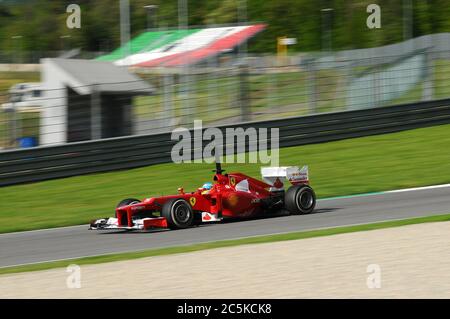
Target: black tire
{"x":300,"y":199}
{"x":178,"y":213}
{"x":126,"y":202}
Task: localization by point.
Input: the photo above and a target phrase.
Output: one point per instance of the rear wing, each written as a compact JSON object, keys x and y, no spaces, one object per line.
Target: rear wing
{"x":275,"y":176}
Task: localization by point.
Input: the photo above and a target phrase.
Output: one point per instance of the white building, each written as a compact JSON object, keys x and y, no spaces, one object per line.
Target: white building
{"x":85,"y":100}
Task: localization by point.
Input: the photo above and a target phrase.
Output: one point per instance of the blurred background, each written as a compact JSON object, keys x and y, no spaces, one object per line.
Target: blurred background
{"x":146,"y":66}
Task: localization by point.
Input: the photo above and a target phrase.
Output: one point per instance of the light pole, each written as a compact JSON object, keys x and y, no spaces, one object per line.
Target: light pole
{"x":151,"y":9}
{"x":17,"y":48}
{"x":326,"y":29}
{"x":242,"y":18}
{"x":14,"y":120}
{"x":185,"y":78}
{"x":182,"y":14}
{"x":125,"y":27}
{"x":63,"y":47}
{"x":407,"y":19}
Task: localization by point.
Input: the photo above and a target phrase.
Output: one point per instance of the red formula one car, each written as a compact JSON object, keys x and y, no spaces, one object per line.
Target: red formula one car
{"x":232,"y":195}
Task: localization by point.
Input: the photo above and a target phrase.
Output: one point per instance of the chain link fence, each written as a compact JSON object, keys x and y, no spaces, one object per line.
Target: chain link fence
{"x":226,"y":90}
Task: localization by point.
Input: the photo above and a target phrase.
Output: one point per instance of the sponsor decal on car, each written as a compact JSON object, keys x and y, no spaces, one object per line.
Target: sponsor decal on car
{"x":233,"y":200}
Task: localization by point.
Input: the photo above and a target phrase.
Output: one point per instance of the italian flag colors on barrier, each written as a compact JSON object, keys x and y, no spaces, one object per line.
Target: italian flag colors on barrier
{"x":180,"y":47}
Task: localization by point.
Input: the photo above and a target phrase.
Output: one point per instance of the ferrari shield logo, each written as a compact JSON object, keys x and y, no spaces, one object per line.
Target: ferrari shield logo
{"x":232,"y":181}
{"x":192,"y":200}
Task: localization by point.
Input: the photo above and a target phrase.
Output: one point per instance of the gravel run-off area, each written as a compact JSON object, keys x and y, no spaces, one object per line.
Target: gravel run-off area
{"x":404,"y":262}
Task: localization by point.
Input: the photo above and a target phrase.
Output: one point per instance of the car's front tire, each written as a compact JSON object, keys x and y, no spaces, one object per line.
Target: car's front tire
{"x":300,"y":199}
{"x":178,"y":213}
{"x":126,"y":202}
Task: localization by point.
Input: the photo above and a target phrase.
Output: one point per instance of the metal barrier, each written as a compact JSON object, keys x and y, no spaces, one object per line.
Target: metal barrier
{"x":44,"y":163}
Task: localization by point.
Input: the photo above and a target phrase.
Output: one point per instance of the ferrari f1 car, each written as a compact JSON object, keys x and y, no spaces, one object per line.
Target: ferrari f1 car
{"x":232,"y":195}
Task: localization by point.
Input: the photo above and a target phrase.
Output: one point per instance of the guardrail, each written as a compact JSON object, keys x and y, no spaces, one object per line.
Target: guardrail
{"x":43,"y":163}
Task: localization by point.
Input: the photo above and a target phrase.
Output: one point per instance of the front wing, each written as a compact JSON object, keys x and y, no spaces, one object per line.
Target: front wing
{"x":138,"y":224}
{"x":112,"y":223}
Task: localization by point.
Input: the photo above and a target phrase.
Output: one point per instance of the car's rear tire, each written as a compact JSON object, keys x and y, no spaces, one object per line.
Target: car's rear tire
{"x":300,"y":199}
{"x":178,"y":213}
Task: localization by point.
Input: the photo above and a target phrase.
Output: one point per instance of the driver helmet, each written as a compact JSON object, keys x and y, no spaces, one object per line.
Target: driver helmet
{"x":207,"y":186}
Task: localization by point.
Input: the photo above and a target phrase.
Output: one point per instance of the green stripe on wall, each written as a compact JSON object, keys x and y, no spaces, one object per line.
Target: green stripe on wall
{"x":148,"y":41}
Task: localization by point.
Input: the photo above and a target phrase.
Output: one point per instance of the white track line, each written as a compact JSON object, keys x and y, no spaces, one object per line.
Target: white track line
{"x":418,"y":188}
{"x":44,"y":229}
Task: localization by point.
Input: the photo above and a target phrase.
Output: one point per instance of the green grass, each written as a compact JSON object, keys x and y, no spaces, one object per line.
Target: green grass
{"x":282,"y":93}
{"x":441,"y":79}
{"x":9,"y":78}
{"x":354,"y":166}
{"x":224,"y":243}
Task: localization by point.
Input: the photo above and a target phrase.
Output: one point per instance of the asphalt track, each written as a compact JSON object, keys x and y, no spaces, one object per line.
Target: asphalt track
{"x":78,"y":241}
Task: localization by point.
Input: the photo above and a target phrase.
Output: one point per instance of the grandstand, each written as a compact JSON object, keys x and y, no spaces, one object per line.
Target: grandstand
{"x":180,"y":47}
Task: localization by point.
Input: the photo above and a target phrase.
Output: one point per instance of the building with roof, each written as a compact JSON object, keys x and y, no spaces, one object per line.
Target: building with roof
{"x":85,"y":100}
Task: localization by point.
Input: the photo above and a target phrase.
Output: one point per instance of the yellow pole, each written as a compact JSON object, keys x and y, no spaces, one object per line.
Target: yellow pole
{"x":281,"y":50}
{"x":281,"y":47}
